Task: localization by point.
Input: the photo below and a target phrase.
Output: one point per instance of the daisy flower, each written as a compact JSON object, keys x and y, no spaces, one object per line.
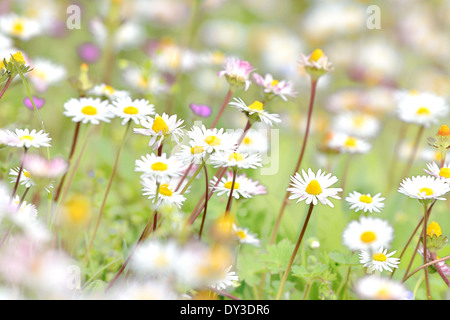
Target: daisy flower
{"x":106,"y":91}
{"x":134,"y":110}
{"x":313,"y":187}
{"x":255,"y":141}
{"x":155,"y":257}
{"x":88,"y":110}
{"x":46,"y":73}
{"x":19,"y":27}
{"x":162,"y":168}
{"x":24,"y":138}
{"x":40,"y":167}
{"x":357,"y":124}
{"x":365,"y":202}
{"x":345,"y":143}
{"x":26,"y":179}
{"x":245,"y":236}
{"x":212,"y":140}
{"x":374,"y":287}
{"x":255,"y":111}
{"x":193,"y":153}
{"x":441,"y":173}
{"x":26,"y":213}
{"x":243,"y":186}
{"x":368,"y":233}
{"x":236,"y":159}
{"x":378,"y":260}
{"x":424,"y":188}
{"x":424,"y":109}
{"x":237,"y":72}
{"x":273,"y":87}
{"x":165,"y":191}
{"x":160,"y":128}
{"x":316,"y":63}
{"x":230,"y":279}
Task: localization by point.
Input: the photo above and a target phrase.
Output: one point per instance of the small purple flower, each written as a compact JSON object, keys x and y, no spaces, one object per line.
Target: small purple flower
{"x":201,"y":110}
{"x":38,"y":102}
{"x":89,"y":52}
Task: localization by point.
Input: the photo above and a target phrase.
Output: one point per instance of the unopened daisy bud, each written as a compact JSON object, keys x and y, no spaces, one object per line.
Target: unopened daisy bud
{"x":222,"y":229}
{"x":15,"y":61}
{"x":316,"y":63}
{"x":313,"y":243}
{"x":237,"y":72}
{"x":442,"y":139}
{"x":435,"y":240}
{"x":444,"y":131}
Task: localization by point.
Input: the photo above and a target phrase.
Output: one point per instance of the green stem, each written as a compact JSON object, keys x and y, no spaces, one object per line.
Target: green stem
{"x":206,"y":203}
{"x":294,"y":253}
{"x":69,"y":160}
{"x":425,"y":258}
{"x":192,"y":178}
{"x":8,"y":82}
{"x":19,"y":174}
{"x":300,"y":159}
{"x":222,"y":108}
{"x":230,"y":197}
{"x":108,"y":188}
{"x":414,"y":152}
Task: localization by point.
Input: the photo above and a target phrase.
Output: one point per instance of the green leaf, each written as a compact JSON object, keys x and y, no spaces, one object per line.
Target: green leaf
{"x":309,"y":272}
{"x":277,"y":257}
{"x":344,"y":258}
{"x":250,"y":269}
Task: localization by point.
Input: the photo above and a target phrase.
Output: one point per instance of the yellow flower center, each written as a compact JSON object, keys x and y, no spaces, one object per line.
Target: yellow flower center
{"x":350,"y":142}
{"x":18,"y":27}
{"x":26,"y":174}
{"x":378,"y":256}
{"x":383,"y":294}
{"x":236,"y":156}
{"x":428,"y":191}
{"x":314,"y":188}
{"x":159,"y":166}
{"x":130,"y":110}
{"x":26,"y":137}
{"x":248,"y":140}
{"x":212,"y":141}
{"x":423,"y":111}
{"x":444,"y":172}
{"x":89,"y":111}
{"x":316,"y":55}
{"x":365,"y":198}
{"x":164,"y":190}
{"x":274,"y":83}
{"x":159,"y":125}
{"x":359,"y":121}
{"x":434,"y":229}
{"x":257,"y":106}
{"x":241,"y":234}
{"x":368,"y":236}
{"x":197,"y":150}
{"x":161,"y":260}
{"x":108,"y":90}
{"x":229,"y":183}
